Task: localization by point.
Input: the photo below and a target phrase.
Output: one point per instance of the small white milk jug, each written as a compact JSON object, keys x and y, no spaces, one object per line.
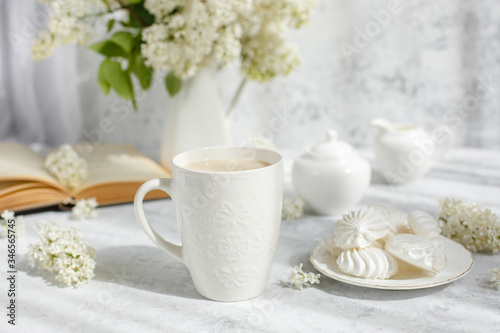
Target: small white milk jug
{"x":404,"y":153}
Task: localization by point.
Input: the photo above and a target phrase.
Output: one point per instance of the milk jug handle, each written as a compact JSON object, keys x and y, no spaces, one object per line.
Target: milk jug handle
{"x":451,"y":140}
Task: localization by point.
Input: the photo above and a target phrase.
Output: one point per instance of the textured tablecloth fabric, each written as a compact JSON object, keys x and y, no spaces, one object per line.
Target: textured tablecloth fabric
{"x":138,"y":288}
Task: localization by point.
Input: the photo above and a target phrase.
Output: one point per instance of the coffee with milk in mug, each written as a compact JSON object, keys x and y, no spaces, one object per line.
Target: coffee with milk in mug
{"x":227,"y":165}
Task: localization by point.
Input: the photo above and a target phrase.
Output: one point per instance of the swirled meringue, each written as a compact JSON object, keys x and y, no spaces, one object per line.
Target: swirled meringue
{"x":423,"y":224}
{"x":416,"y":251}
{"x":331,"y":247}
{"x":368,"y":262}
{"x":360,"y":228}
{"x":396,"y":219}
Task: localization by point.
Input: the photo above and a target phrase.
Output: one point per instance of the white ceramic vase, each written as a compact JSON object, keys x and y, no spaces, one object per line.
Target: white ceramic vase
{"x":196,"y":117}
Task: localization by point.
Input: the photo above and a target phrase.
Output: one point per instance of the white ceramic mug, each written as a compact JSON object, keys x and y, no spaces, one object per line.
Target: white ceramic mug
{"x":229,"y":221}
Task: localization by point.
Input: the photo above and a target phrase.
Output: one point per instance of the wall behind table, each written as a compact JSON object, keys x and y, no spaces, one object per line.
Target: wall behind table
{"x":433,"y":63}
{"x":426,"y":62}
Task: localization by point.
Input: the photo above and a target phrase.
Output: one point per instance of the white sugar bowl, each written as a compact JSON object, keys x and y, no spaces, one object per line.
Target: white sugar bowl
{"x":331,"y":177}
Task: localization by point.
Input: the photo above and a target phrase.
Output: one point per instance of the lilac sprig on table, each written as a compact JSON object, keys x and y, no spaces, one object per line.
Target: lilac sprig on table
{"x":298,"y":278}
{"x":4,"y":223}
{"x":85,"y":208}
{"x":474,"y":226}
{"x":64,"y":253}
{"x":293,"y":208}
{"x":495,"y":277}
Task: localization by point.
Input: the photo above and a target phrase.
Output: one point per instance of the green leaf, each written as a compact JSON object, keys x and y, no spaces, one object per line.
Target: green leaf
{"x":141,"y":18}
{"x":143,"y":72}
{"x":118,"y":79}
{"x":143,"y":14}
{"x":173,"y":83}
{"x":124,"y":40}
{"x":134,"y":102}
{"x":130,"y":2}
{"x":108,"y":49}
{"x":131,"y":24}
{"x":103,"y":82}
{"x":111,"y":24}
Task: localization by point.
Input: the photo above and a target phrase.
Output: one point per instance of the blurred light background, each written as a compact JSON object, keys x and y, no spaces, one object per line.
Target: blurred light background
{"x":429,"y":62}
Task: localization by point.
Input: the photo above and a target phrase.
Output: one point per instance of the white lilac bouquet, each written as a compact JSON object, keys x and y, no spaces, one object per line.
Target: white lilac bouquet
{"x":64,"y":253}
{"x":177,"y":36}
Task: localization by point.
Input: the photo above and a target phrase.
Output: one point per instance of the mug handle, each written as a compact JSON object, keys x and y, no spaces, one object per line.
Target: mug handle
{"x":164,"y":185}
{"x":450,"y":143}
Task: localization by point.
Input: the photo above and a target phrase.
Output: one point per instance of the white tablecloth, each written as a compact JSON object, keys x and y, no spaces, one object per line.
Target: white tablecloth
{"x":138,"y":288}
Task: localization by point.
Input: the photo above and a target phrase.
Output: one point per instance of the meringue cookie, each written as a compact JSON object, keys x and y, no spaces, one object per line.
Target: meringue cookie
{"x":360,"y":228}
{"x":423,"y":224}
{"x":335,"y":251}
{"x":416,"y":251}
{"x":332,"y":247}
{"x":396,"y":219}
{"x":368,"y":262}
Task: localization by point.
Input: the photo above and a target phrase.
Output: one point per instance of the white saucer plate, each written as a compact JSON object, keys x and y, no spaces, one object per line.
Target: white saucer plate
{"x":459,"y":262}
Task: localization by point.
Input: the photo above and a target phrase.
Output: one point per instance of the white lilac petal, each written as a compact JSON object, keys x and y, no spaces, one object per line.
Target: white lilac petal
{"x":7,"y":214}
{"x":293,"y":208}
{"x":64,"y":253}
{"x":67,"y":166}
{"x":495,"y":278}
{"x":475,"y":227}
{"x":257,"y":140}
{"x":298,"y":278}
{"x":19,"y":227}
{"x":190,"y":34}
{"x":85,"y":208}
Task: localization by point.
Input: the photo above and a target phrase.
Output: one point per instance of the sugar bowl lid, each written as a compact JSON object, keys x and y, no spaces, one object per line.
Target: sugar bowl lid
{"x":332,"y":148}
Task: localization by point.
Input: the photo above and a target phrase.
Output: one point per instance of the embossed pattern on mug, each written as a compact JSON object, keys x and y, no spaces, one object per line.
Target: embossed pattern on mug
{"x":233,"y":247}
{"x":232,"y":214}
{"x":253,"y":237}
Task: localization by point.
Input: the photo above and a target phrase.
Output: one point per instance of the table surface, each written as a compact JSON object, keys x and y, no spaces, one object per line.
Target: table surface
{"x":137,"y":287}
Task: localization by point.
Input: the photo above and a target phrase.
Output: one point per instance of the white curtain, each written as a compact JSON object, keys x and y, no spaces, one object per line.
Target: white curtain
{"x":39,"y":101}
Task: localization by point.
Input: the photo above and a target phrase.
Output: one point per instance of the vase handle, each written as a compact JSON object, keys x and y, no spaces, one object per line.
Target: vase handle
{"x":164,"y":185}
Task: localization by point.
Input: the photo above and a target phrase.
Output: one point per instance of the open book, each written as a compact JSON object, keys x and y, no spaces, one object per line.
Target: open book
{"x":114,"y":173}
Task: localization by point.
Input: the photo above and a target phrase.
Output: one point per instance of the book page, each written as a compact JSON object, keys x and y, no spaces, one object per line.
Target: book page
{"x":112,"y":163}
{"x":7,"y":187}
{"x":32,"y":198}
{"x":19,"y":163}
